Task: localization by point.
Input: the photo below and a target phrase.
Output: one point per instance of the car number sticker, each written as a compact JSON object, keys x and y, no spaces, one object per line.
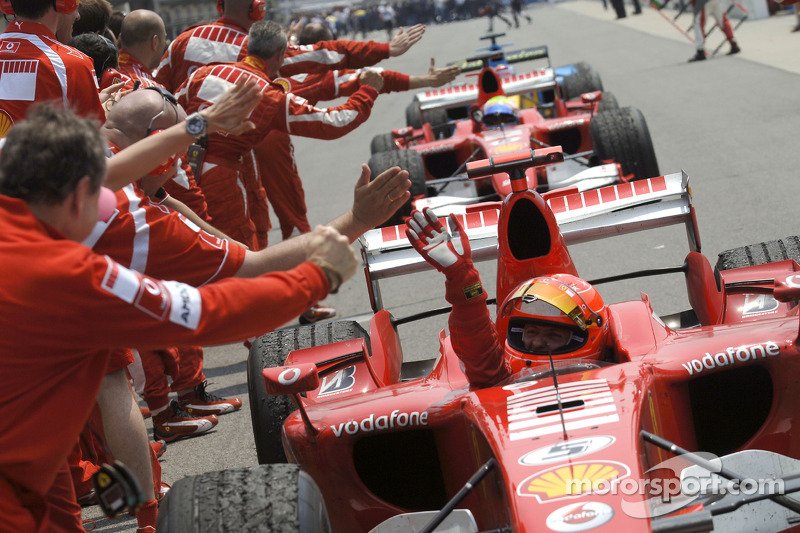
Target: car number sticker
{"x":568,"y":449}
{"x":580,"y":517}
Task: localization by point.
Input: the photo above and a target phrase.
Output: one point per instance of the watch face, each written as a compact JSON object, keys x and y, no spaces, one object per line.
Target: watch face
{"x":196,"y":125}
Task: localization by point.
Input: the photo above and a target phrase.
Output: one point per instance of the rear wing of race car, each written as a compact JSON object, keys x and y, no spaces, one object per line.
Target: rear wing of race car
{"x":516,"y":56}
{"x":581,"y":216}
{"x":464,"y":95}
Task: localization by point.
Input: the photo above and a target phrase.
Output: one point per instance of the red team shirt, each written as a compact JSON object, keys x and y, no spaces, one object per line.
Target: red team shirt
{"x":276,"y":110}
{"x":224,"y":41}
{"x":35,"y":67}
{"x":56,"y":291}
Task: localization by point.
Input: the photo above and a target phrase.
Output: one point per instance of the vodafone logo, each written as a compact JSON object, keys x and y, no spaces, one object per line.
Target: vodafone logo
{"x":289,"y":376}
{"x":793,"y":281}
{"x":580,"y":517}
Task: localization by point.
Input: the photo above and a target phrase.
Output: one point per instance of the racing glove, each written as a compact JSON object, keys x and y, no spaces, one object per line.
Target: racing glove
{"x":472,"y":332}
{"x":449,"y":254}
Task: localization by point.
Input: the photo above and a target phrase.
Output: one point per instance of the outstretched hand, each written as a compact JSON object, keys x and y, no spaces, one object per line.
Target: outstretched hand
{"x":372,"y":78}
{"x":405,"y":39}
{"x":442,"y":76}
{"x":377,"y":200}
{"x":230,"y":111}
{"x":428,"y":235}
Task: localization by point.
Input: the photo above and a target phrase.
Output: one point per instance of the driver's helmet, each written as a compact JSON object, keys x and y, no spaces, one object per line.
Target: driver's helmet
{"x":560,"y":315}
{"x":500,"y":111}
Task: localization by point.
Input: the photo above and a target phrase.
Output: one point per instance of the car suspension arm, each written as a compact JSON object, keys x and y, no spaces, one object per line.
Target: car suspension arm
{"x":780,"y":499}
{"x":460,"y":495}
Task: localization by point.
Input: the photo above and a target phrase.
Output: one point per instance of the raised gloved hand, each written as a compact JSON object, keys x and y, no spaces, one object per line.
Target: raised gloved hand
{"x":446,"y":253}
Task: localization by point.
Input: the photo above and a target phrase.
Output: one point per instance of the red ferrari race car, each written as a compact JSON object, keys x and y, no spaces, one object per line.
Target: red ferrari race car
{"x":603,"y":144}
{"x":572,"y":445}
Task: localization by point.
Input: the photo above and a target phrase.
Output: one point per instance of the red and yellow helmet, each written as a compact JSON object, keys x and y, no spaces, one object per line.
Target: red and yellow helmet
{"x":559,"y":315}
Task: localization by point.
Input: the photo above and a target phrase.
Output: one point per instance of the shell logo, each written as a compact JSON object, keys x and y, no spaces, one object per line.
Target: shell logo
{"x":5,"y":124}
{"x":572,"y":480}
{"x":283,"y":82}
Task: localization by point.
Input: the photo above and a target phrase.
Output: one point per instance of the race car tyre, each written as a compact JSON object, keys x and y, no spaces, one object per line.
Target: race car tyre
{"x":608,"y":103}
{"x":622,"y":135}
{"x":382,"y":143}
{"x":268,"y":413}
{"x":413,"y":116}
{"x":584,"y":80}
{"x":439,"y":122}
{"x":437,"y":118}
{"x":760,"y":254}
{"x":409,"y":160}
{"x":262,"y":498}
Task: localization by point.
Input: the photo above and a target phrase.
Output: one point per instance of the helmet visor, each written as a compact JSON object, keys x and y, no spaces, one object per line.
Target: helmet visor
{"x":540,"y":337}
{"x":540,"y":299}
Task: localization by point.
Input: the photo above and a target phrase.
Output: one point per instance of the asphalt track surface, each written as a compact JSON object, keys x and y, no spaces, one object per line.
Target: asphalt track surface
{"x":729,"y":123}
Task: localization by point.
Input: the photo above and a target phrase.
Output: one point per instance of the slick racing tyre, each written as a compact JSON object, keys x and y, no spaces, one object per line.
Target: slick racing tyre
{"x":382,"y":143}
{"x":760,"y":254}
{"x":413,"y":116}
{"x":269,"y":412}
{"x":584,"y":80}
{"x":262,"y":498}
{"x":608,"y":103}
{"x":408,"y":160}
{"x":621,"y":135}
{"x":437,"y":118}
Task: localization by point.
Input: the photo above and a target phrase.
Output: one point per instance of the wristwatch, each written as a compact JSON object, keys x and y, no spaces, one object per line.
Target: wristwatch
{"x":196,"y":126}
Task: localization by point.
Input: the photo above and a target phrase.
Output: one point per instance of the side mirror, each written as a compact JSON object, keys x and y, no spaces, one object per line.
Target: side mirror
{"x":293,"y":379}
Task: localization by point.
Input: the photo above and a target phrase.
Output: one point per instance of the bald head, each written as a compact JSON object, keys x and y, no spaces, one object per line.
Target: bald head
{"x":143,"y":36}
{"x":314,"y":32}
{"x":129,"y":119}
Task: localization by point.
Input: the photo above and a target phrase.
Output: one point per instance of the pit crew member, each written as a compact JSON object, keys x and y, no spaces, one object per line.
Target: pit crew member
{"x":38,"y":68}
{"x":228,"y":165}
{"x":53,"y":359}
{"x":282,"y":183}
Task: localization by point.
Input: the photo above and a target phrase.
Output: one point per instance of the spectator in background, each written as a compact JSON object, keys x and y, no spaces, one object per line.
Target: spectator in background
{"x":115,"y":24}
{"x":94,"y":17}
{"x":387,"y":14}
{"x":516,"y":11}
{"x":102,"y":51}
{"x":718,"y":10}
{"x":619,"y":7}
{"x":492,"y":10}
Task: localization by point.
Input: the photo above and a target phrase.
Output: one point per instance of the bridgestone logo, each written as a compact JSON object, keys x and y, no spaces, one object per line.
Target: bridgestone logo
{"x":394,"y":420}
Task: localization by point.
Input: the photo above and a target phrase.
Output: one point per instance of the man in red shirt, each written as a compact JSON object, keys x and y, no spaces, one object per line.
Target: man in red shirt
{"x":36,"y":67}
{"x":276,"y":152}
{"x":64,"y":306}
{"x":225,"y":41}
{"x":228,"y":165}
{"x":142,"y":41}
{"x":155,"y":241}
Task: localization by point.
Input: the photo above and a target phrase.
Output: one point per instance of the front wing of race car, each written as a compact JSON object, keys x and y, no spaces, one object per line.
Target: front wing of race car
{"x":581,"y":216}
